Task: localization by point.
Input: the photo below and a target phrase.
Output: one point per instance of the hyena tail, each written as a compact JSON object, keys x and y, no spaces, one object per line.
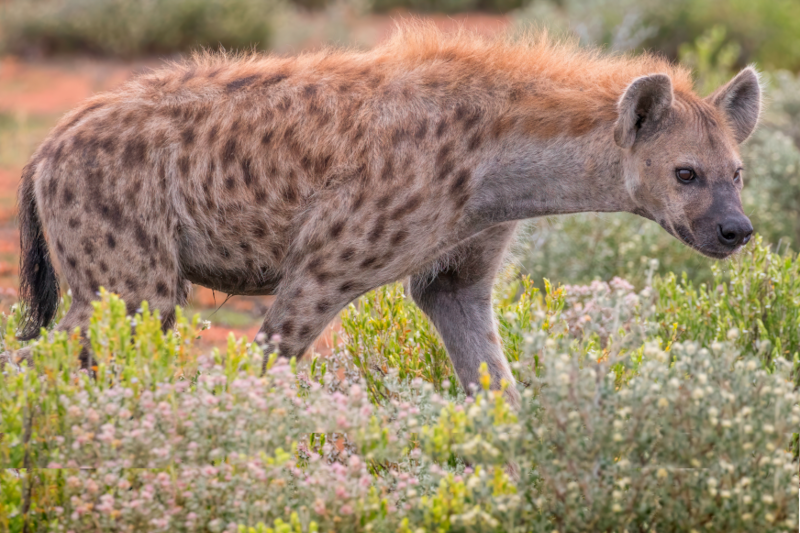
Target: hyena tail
{"x":38,"y":284}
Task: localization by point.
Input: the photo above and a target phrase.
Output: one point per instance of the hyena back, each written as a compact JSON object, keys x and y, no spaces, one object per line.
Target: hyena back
{"x":321,"y":177}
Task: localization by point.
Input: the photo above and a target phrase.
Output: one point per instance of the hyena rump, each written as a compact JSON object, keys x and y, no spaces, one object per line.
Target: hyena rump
{"x":320,"y":177}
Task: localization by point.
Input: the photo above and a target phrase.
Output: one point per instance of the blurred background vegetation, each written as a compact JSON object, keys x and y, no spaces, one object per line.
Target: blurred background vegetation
{"x":764,"y":32}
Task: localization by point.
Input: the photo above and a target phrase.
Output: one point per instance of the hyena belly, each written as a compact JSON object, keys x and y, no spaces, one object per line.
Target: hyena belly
{"x":232,"y":250}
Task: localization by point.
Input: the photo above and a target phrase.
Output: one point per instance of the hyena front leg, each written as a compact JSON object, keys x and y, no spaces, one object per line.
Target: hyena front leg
{"x":458,"y":301}
{"x":303,"y":307}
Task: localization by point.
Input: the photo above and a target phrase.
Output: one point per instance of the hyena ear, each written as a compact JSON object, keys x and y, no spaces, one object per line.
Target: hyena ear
{"x":740,"y":101}
{"x":645,"y":101}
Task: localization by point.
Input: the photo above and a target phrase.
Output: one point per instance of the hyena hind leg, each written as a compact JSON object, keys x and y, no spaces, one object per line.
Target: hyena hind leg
{"x":80,"y":313}
{"x":77,"y":316}
{"x":458,"y":301}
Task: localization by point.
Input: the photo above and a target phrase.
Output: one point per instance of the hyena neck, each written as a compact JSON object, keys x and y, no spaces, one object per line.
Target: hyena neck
{"x":527,"y":177}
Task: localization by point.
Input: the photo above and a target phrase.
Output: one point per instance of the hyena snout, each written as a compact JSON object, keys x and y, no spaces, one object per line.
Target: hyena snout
{"x":734,"y":231}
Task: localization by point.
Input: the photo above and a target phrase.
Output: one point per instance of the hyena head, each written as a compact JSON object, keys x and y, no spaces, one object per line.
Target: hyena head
{"x":681,"y":158}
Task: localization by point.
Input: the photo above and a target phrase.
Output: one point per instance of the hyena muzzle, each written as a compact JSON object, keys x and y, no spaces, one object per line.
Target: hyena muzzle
{"x":321,"y":177}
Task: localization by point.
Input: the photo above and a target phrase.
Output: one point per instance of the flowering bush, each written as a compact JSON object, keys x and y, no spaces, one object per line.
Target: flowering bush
{"x":627,"y":421}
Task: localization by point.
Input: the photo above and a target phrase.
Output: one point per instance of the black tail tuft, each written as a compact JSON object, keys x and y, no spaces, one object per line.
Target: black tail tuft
{"x":38,"y":284}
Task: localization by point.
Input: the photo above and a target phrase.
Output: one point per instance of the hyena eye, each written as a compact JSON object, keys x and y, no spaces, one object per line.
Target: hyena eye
{"x":685,"y":174}
{"x":737,"y":176}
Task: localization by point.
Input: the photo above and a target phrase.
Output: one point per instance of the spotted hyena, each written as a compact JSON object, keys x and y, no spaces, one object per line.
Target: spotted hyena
{"x":320,"y":177}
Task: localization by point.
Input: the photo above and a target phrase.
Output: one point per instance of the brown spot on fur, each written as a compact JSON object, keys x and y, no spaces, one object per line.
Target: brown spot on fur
{"x":134,"y":154}
{"x":141,"y":237}
{"x":247,"y":171}
{"x":422,"y":130}
{"x":187,"y":136}
{"x":290,"y":193}
{"x":274,"y":79}
{"x":359,"y":201}
{"x":111,"y":241}
{"x":440,"y":128}
{"x":399,"y":237}
{"x":240,"y":83}
{"x":336,"y":229}
{"x":411,"y":205}
{"x":384,"y":201}
{"x":261,"y":230}
{"x":228,"y":154}
{"x":386,"y":173}
{"x":377,"y":229}
{"x":67,"y":195}
{"x":161,"y":288}
{"x":444,"y":169}
{"x":460,"y":182}
{"x":111,"y":212}
{"x":475,"y":142}
{"x":347,"y":286}
{"x":108,"y":145}
{"x":183,"y":165}
{"x":285,"y":104}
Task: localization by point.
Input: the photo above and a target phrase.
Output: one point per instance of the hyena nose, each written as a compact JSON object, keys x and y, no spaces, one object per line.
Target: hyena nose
{"x":735,"y":231}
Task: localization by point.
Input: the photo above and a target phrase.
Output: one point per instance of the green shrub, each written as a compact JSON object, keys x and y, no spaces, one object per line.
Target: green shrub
{"x":754,"y":302}
{"x":689,"y":438}
{"x":126,"y":28}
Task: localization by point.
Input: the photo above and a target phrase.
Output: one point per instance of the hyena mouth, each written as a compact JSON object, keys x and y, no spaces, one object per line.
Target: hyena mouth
{"x":683,"y":234}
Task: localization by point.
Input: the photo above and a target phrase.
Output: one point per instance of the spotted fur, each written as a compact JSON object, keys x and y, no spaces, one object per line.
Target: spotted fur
{"x":320,"y":177}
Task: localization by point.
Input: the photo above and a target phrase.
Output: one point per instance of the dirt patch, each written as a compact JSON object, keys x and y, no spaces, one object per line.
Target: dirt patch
{"x":52,"y":87}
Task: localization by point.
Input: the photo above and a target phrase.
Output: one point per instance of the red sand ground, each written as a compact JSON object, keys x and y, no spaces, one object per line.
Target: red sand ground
{"x":47,"y":89}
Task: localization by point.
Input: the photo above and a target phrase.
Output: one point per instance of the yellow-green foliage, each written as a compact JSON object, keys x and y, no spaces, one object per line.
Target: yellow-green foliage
{"x":641,"y":410}
{"x":753,"y":302}
{"x":385,"y":330}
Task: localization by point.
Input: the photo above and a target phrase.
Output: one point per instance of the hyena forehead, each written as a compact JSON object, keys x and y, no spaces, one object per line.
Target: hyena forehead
{"x":694,"y":135}
{"x":653,"y":110}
